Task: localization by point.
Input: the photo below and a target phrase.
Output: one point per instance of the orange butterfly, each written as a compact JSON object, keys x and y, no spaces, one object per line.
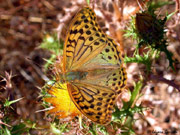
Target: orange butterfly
{"x":92,"y":68}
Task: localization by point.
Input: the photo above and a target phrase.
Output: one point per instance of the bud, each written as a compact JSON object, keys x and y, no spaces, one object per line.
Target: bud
{"x":149,"y":28}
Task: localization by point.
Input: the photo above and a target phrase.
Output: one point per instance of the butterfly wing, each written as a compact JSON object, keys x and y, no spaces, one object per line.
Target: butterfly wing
{"x":84,"y":40}
{"x":106,"y":68}
{"x":109,"y":58}
{"x":95,"y":102}
{"x":87,"y":47}
{"x":114,"y":79}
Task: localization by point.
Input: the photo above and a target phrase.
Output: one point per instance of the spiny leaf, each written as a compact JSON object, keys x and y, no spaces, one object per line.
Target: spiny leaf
{"x":8,"y":103}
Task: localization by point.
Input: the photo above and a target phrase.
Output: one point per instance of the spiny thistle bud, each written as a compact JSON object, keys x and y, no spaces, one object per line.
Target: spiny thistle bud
{"x":149,"y":28}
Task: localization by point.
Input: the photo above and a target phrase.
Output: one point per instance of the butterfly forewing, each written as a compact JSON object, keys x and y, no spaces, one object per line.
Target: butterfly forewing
{"x":95,"y":102}
{"x":84,"y":40}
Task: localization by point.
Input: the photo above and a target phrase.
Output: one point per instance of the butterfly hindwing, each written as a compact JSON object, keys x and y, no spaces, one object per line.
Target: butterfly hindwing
{"x":95,"y":102}
{"x":114,"y":79}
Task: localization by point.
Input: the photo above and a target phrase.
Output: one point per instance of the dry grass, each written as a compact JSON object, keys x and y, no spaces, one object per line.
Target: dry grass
{"x":23,"y":25}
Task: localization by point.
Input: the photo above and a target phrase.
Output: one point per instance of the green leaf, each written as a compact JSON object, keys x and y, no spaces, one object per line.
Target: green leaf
{"x":50,"y":61}
{"x":136,"y":91}
{"x":145,"y":59}
{"x":54,"y":129}
{"x":170,"y":15}
{"x":7,"y":131}
{"x":58,"y":129}
{"x":92,"y":129}
{"x":19,"y":129}
{"x":88,"y":2}
{"x":134,"y":95}
{"x":8,"y":103}
{"x":152,"y":5}
{"x":51,"y":43}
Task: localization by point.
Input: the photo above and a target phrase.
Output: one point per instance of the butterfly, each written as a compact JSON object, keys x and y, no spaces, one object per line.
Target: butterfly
{"x":92,"y":67}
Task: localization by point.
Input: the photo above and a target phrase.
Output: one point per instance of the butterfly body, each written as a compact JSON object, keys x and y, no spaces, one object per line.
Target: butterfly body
{"x":74,"y":76}
{"x":92,"y":67}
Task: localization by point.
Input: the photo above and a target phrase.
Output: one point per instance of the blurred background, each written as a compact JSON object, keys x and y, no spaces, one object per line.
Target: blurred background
{"x":25,"y":24}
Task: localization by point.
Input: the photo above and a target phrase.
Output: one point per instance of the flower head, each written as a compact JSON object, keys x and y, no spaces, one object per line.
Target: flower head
{"x":61,"y":101}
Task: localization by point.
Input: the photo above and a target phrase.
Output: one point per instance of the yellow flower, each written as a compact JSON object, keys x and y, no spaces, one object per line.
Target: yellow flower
{"x":61,"y":101}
